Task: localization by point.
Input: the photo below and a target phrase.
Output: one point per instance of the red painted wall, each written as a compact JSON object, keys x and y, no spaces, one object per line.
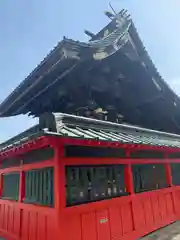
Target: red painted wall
{"x":128,"y":217}
{"x":123,"y":218}
{"x":20,"y":221}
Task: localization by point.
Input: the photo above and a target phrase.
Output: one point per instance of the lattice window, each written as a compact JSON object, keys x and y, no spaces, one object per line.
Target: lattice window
{"x":175,"y":172}
{"x":94,"y":183}
{"x":39,"y":187}
{"x":10,"y":188}
{"x":149,"y":177}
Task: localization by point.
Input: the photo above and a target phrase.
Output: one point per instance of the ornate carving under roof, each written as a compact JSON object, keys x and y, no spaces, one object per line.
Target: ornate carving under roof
{"x":113,"y":68}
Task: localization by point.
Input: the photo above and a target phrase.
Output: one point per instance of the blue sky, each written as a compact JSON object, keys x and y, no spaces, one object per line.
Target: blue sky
{"x":30,"y":29}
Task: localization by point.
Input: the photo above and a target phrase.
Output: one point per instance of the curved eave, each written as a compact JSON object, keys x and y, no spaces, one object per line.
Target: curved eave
{"x":63,"y":56}
{"x":143,"y":54}
{"x":11,"y":105}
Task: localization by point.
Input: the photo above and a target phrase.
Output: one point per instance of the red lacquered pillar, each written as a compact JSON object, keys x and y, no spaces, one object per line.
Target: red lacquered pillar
{"x":59,"y":186}
{"x":173,"y":190}
{"x":59,"y":178}
{"x":129,"y":176}
{"x":21,"y":186}
{"x":130,"y":187}
{"x":168,"y":173}
{"x":1,"y":184}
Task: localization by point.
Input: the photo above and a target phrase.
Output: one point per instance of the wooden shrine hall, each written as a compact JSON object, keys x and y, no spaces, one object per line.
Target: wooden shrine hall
{"x":103,"y":162}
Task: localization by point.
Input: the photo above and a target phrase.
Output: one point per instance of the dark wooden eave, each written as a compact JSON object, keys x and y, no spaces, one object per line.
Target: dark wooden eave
{"x":59,"y":62}
{"x":70,"y":72}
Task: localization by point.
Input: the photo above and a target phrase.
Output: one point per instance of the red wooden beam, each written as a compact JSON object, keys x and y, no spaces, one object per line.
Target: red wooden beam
{"x":168,"y":174}
{"x":51,"y":140}
{"x":27,"y":167}
{"x":21,"y":186}
{"x":129,"y":176}
{"x":25,"y":147}
{"x":129,"y":179}
{"x":98,"y":161}
{"x":100,"y":143}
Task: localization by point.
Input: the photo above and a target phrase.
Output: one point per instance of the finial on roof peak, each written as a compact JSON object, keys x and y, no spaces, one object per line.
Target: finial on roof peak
{"x":88,"y":33}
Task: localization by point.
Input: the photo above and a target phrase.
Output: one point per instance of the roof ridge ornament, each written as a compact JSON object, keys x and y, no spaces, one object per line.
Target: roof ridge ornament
{"x":110,"y":5}
{"x":114,"y":40}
